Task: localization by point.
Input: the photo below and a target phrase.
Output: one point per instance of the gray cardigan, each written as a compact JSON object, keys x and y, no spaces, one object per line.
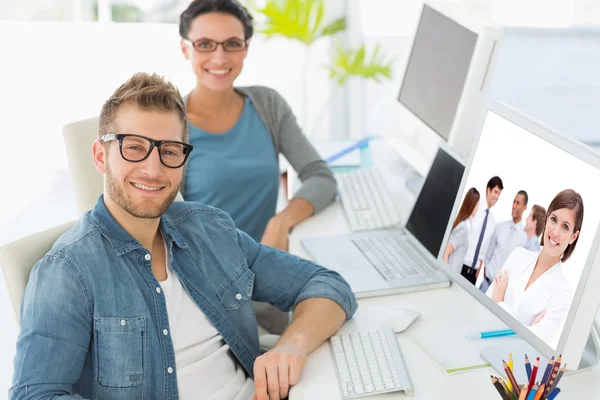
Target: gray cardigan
{"x":318,"y":184}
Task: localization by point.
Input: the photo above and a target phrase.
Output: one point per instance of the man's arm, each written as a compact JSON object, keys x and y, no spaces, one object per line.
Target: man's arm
{"x":315,"y":321}
{"x":55,"y":333}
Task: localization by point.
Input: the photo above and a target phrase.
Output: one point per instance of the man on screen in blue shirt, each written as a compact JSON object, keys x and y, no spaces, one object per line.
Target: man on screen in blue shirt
{"x":150,"y":298}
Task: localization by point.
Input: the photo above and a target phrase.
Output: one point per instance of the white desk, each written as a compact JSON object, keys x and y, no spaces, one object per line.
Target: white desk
{"x":447,"y":312}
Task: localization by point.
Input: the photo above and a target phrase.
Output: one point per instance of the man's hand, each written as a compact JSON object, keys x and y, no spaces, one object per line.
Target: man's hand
{"x":276,"y":233}
{"x":500,"y":284}
{"x":538,"y":318}
{"x":279,"y":369}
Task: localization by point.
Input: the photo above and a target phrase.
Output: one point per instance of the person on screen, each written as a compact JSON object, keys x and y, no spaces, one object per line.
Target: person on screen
{"x":147,"y":297}
{"x":459,"y":237}
{"x":532,"y":284}
{"x":482,"y":229}
{"x":534,"y":225}
{"x":508,"y":235}
{"x":239,"y":132}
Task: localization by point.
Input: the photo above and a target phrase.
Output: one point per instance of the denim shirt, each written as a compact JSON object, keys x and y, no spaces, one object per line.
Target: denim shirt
{"x":93,"y":313}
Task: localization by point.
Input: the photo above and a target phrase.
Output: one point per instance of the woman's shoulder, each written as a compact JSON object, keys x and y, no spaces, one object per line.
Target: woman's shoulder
{"x":261,"y":93}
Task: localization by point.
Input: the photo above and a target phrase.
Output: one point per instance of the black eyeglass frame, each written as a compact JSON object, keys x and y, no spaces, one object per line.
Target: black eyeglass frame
{"x":187,"y":148}
{"x":193,"y":44}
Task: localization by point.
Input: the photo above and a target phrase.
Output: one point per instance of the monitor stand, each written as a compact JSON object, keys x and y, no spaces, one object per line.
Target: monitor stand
{"x":518,"y":347}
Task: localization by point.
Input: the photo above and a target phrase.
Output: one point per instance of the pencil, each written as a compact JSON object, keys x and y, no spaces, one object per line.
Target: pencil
{"x":509,"y":393}
{"x":532,"y":393}
{"x":554,"y":393}
{"x":510,"y":363}
{"x":499,"y":388}
{"x":548,"y":370}
{"x":523,"y":395}
{"x":528,"y":367}
{"x":540,"y":392}
{"x":553,"y":375}
{"x":560,"y":374}
{"x":515,"y":386}
{"x":533,"y":374}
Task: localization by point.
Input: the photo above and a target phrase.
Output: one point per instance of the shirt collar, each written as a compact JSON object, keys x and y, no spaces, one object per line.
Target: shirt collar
{"x":121,"y":241}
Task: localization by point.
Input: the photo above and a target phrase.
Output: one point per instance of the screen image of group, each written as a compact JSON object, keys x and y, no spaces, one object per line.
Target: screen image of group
{"x":526,"y":223}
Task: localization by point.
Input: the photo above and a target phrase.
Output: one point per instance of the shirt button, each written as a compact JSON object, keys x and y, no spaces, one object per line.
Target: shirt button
{"x":238,"y":296}
{"x":148,"y":257}
{"x":165,"y":332}
{"x":123,"y":322}
{"x":170,"y":370}
{"x":157,"y":290}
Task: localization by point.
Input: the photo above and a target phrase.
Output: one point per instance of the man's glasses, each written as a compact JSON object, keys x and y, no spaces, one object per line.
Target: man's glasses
{"x":209,"y":45}
{"x":136,"y":148}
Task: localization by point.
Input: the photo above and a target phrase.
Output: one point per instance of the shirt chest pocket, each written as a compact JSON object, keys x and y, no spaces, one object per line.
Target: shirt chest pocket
{"x":120,"y":351}
{"x":237,"y":291}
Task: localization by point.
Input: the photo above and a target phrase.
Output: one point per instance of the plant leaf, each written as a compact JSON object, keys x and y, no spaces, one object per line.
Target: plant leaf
{"x":352,"y":63}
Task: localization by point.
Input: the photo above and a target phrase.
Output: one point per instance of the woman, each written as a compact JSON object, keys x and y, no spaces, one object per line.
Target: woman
{"x":239,"y":132}
{"x":459,"y":238}
{"x":531,"y":285}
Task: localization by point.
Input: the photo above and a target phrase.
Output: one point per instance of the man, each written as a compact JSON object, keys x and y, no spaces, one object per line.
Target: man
{"x":508,"y":235}
{"x":482,"y":229}
{"x":534,"y":226}
{"x":150,"y":298}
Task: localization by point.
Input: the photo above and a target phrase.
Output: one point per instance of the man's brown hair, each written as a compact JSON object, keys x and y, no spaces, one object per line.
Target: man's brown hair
{"x":538,"y":214}
{"x":147,"y":92}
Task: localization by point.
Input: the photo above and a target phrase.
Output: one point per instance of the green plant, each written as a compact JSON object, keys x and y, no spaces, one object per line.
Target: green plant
{"x":305,"y":22}
{"x":301,"y":20}
{"x":348,"y":63}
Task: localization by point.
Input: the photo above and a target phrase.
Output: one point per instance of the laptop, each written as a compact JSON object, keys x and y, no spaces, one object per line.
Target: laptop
{"x":382,"y":262}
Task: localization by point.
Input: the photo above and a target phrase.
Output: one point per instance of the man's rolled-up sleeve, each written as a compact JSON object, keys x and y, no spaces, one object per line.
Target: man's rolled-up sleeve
{"x":284,"y":280}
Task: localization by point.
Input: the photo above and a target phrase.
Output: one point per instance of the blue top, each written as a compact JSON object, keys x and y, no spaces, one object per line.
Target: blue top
{"x":93,"y":313}
{"x":236,"y":171}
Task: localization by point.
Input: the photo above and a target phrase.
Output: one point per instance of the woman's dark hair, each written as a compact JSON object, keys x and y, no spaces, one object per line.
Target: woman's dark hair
{"x":467,"y":207}
{"x":231,"y":7}
{"x":570,"y":200}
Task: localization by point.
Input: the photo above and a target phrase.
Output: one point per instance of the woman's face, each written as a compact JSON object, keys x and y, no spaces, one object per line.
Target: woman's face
{"x":218,"y":69}
{"x":475,"y":209}
{"x":559,"y":233}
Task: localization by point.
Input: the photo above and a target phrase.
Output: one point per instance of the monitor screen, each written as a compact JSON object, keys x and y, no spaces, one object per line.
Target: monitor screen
{"x":520,"y":234}
{"x":437,"y":70}
{"x":431,"y":213}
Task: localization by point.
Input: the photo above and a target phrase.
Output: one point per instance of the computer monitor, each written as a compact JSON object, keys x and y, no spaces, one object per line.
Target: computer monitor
{"x":551,"y":294}
{"x":442,"y":93}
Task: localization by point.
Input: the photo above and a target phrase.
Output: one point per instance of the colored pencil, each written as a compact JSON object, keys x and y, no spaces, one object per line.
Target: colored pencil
{"x":554,"y":393}
{"x":511,"y":378}
{"x":540,"y":392}
{"x":548,"y":370}
{"x":560,"y":374}
{"x":528,"y":367}
{"x":533,"y":374}
{"x":523,"y":395}
{"x":553,"y":375}
{"x":511,"y":363}
{"x":509,"y":393}
{"x":532,"y":393}
{"x":499,"y":388}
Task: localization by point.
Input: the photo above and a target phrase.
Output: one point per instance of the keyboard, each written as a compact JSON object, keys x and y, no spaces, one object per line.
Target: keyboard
{"x":366,"y":199}
{"x":369,"y":363}
{"x":391,"y":259}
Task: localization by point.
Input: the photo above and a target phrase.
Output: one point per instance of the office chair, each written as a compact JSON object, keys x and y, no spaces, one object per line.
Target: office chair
{"x":18,"y":258}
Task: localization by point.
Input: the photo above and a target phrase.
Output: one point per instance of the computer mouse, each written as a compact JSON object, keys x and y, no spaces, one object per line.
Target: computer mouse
{"x":401,"y":318}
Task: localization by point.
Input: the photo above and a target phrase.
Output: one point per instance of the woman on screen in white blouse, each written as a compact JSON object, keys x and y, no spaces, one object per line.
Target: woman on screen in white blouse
{"x":456,"y":248}
{"x":531,"y":286}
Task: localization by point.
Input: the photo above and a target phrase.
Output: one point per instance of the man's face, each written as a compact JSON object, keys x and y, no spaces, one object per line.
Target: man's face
{"x":518,"y":207}
{"x":144,"y":189}
{"x":492,"y":196}
{"x":530,"y":223}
